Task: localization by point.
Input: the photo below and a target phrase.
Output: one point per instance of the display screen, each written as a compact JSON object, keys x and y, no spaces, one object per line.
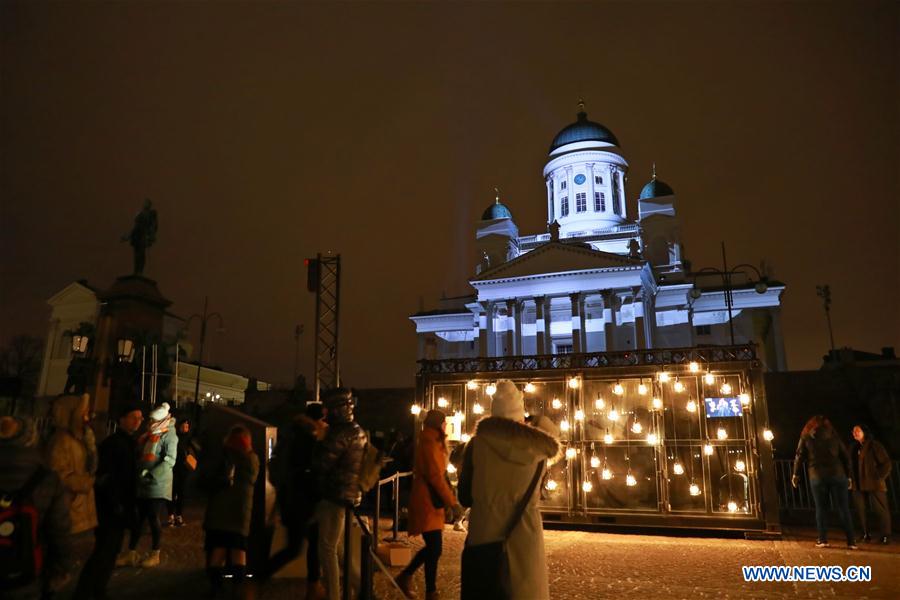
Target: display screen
{"x":723,"y":407}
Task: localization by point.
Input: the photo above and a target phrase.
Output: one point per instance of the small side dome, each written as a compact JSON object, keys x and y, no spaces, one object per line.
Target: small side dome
{"x":496,"y":210}
{"x":656,"y":189}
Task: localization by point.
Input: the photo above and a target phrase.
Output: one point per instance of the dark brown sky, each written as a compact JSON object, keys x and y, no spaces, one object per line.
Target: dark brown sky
{"x":267,"y":132}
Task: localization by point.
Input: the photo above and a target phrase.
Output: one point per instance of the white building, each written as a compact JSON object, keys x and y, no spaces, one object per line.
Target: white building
{"x":598,"y":280}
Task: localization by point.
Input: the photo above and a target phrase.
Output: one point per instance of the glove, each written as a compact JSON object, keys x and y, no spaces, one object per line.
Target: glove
{"x":795,"y":481}
{"x":145,"y":473}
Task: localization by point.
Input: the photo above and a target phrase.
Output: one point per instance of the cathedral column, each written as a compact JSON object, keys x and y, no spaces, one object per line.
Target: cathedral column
{"x":591,"y":187}
{"x":486,"y":329}
{"x":520,"y":321}
{"x":512,"y":317}
{"x":640,"y":334}
{"x":551,"y":212}
{"x":609,"y":303}
{"x":540,"y":326}
{"x":577,"y":301}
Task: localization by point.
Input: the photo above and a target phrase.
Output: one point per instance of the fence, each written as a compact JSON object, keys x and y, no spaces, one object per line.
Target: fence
{"x":395,"y":495}
{"x":798,"y":502}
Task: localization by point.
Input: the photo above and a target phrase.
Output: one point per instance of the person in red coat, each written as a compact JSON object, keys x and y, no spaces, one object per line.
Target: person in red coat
{"x":429,"y":488}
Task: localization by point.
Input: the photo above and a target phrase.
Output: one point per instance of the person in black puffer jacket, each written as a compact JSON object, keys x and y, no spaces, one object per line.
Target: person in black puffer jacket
{"x":828,"y":467}
{"x":20,"y":460}
{"x":336,"y":463}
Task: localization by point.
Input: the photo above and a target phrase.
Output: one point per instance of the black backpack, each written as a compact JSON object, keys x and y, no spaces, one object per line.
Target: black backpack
{"x":21,"y":552}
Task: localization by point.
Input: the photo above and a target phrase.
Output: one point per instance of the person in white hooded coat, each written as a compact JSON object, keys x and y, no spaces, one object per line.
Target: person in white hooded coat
{"x":502,"y":459}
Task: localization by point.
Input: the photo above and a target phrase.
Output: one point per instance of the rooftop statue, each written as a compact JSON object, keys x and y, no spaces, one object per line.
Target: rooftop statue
{"x":143,"y":235}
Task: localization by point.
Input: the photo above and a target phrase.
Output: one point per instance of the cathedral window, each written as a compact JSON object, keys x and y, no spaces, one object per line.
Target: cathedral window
{"x":599,"y":202}
{"x":562,"y":184}
{"x":598,"y":180}
{"x":580,"y":202}
{"x":564,"y":206}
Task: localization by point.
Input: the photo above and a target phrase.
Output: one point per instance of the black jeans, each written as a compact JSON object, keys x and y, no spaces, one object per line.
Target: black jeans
{"x":100,"y":564}
{"x":148,"y":509}
{"x":836,"y":489}
{"x":428,"y":555}
{"x":879,"y":505}
{"x":176,"y":504}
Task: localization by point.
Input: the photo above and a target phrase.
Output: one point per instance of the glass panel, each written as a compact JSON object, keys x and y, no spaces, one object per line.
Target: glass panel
{"x":635,"y":465}
{"x":729,"y":481}
{"x":684,"y":469}
{"x":682,"y":414}
{"x":449,"y":400}
{"x":555,"y":486}
{"x":550,"y":399}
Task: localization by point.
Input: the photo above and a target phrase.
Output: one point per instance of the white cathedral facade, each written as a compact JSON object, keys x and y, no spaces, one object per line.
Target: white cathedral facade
{"x":599,"y":280}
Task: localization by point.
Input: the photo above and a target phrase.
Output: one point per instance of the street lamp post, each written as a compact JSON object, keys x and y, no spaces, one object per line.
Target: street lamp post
{"x":298,"y":333}
{"x":824,"y":292}
{"x":761,"y":285}
{"x":204,"y":319}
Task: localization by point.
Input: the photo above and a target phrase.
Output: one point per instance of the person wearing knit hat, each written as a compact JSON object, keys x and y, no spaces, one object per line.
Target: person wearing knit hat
{"x":157,"y":453}
{"x":21,"y":468}
{"x":500,"y":463}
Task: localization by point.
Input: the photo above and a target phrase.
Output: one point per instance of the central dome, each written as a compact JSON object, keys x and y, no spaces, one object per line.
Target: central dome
{"x":583,"y":130}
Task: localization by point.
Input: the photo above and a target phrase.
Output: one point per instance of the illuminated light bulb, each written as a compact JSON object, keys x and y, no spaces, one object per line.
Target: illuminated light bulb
{"x":694,"y":489}
{"x":527,"y":414}
{"x":721,"y":433}
{"x":739,"y":466}
{"x":642,"y":389}
{"x":564,"y":425}
{"x":570,"y":453}
{"x":478,"y":409}
{"x":618,"y":390}
{"x":599,"y":403}
{"x":708,"y":449}
{"x":745,"y":399}
{"x":663,"y":377}
{"x":656,"y":403}
{"x":636,"y":427}
{"x":415,"y":409}
{"x":491,"y":389}
{"x":691,"y":406}
{"x":556,"y":404}
{"x":551,"y":484}
{"x":726,"y":388}
{"x":450,"y":468}
{"x":709,"y":379}
{"x":768,"y":435}
{"x":678,"y":468}
{"x":608,"y":438}
{"x":652,"y":439}
{"x":630,"y":480}
{"x":579,"y":415}
{"x":573,"y":383}
{"x":693,"y":367}
{"x":458,"y":416}
{"x":595,"y":462}
{"x":606,"y":474}
{"x":529,"y":388}
{"x":472,"y":385}
{"x":613,"y":414}
{"x":442,"y":402}
{"x":465,"y":438}
{"x":732,"y":506}
{"x":678,"y":387}
{"x":587,"y":486}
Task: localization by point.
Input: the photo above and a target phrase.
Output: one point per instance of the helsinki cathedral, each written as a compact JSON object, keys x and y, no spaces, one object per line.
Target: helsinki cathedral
{"x":598,"y":279}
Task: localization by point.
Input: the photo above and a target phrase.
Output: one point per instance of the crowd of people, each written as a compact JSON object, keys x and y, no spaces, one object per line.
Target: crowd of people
{"x":52,"y":494}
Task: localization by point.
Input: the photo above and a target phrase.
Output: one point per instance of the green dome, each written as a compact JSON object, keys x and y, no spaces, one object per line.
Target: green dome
{"x":656,"y":189}
{"x":496,"y":211}
{"x":583,"y":130}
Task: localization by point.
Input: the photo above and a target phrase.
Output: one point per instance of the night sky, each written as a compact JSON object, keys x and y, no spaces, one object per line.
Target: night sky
{"x":265,"y":132}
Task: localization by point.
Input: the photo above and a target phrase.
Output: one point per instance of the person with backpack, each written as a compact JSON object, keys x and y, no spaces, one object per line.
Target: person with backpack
{"x":72,"y":454}
{"x":297,"y":494}
{"x":115,"y":494}
{"x":503,"y":464}
{"x":35,"y":556}
{"x":829,"y":470}
{"x":337,"y":463}
{"x":157,"y":451}
{"x":431,"y":495}
{"x":230,"y":508}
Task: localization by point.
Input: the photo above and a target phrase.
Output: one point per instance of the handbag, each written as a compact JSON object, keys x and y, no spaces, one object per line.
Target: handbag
{"x":485,"y":567}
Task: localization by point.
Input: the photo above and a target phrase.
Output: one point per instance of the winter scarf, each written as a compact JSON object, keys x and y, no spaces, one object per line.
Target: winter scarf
{"x":149,"y":441}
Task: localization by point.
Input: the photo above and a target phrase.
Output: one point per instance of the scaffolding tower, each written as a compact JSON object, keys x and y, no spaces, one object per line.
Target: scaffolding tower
{"x":324,"y":278}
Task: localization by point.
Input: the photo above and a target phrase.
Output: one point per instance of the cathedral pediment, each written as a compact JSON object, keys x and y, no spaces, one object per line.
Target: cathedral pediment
{"x":558,"y":257}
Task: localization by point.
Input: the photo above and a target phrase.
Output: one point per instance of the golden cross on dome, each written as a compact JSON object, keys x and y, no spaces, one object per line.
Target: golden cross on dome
{"x":496,"y":196}
{"x":654,"y":170}
{"x":581,"y":105}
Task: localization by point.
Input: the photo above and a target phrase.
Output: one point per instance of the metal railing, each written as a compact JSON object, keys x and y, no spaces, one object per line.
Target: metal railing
{"x":627,"y":358}
{"x":395,"y":479}
{"x":792,"y":499}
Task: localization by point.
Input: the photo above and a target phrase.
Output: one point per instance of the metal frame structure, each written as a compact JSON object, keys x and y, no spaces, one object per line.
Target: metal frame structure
{"x":460,"y":387}
{"x":328,"y":292}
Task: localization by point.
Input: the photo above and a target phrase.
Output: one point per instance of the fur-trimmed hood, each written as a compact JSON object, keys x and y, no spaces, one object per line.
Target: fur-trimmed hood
{"x":516,"y":442}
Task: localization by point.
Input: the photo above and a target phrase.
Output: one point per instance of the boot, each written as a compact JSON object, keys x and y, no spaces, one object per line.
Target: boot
{"x":315,"y":591}
{"x":179,"y":521}
{"x":128,"y":558}
{"x":151,"y":559}
{"x":404,"y":582}
{"x":169,"y":522}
